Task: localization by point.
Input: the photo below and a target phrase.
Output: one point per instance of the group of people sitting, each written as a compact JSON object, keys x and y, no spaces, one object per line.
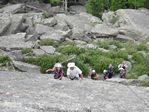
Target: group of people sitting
{"x":75,"y":73}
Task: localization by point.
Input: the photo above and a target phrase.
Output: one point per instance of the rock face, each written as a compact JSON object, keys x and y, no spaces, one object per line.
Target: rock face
{"x":133,"y":23}
{"x":48,"y":49}
{"x":101,"y":30}
{"x":12,"y":8}
{"x":4,"y":23}
{"x":31,"y":92}
{"x":15,"y":41}
{"x":24,"y":67}
{"x":143,"y":77}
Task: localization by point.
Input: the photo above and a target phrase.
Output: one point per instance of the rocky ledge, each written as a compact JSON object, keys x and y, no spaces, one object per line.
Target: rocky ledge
{"x":30,"y":92}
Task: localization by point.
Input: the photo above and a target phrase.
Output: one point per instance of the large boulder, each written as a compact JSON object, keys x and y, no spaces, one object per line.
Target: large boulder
{"x":143,"y":77}
{"x":15,"y":41}
{"x":15,"y":55}
{"x":42,"y":29}
{"x":79,"y":23}
{"x":49,"y":21}
{"x":15,"y":8}
{"x":16,"y":23}
{"x":4,"y":23}
{"x":102,"y":30}
{"x":25,"y":67}
{"x":48,"y":49}
{"x":133,"y":23}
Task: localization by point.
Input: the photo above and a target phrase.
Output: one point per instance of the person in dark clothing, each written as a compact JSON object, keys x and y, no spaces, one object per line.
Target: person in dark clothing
{"x":94,"y":75}
{"x":110,"y":71}
{"x":57,"y":71}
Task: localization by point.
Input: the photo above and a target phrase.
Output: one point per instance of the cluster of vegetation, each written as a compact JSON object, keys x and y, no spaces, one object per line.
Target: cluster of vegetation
{"x":52,"y":2}
{"x":96,"y":59}
{"x":97,"y":7}
{"x":4,"y":60}
{"x":47,"y":42}
{"x":27,"y":51}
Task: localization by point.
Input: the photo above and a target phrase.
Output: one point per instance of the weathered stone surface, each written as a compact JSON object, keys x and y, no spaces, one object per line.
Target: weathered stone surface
{"x":49,"y":22}
{"x":133,"y":23}
{"x":143,"y":77}
{"x":24,"y":67}
{"x":101,"y":30}
{"x":78,"y":8}
{"x":15,"y":54}
{"x":38,"y":52}
{"x":15,"y":41}
{"x":16,"y":23}
{"x":79,"y":24}
{"x":15,"y":8}
{"x":123,"y":38}
{"x":48,"y":49}
{"x":134,"y":82}
{"x":42,"y":29}
{"x":109,"y":18}
{"x":29,"y":92}
{"x":4,"y":23}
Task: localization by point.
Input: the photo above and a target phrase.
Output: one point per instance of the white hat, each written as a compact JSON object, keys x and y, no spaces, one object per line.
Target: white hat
{"x":59,"y":65}
{"x":105,"y":71}
{"x":72,"y":64}
{"x":121,"y":68}
{"x":93,"y":71}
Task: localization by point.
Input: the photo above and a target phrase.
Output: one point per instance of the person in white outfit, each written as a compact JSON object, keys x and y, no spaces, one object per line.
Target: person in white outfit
{"x":73,"y":72}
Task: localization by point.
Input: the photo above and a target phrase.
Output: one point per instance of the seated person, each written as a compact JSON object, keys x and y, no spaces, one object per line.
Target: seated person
{"x":73,"y":72}
{"x":94,"y":75}
{"x":57,"y":70}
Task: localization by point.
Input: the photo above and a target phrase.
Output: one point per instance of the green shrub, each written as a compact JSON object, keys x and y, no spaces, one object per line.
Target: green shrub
{"x":117,"y":54}
{"x":130,"y":47}
{"x":143,"y":47}
{"x":145,"y":83}
{"x":70,"y":49}
{"x":26,"y":50}
{"x":47,"y":42}
{"x":95,"y":7}
{"x":139,"y":58}
{"x":83,"y":67}
{"x":104,"y":43}
{"x":54,"y":2}
{"x":4,"y":60}
{"x":138,"y":70}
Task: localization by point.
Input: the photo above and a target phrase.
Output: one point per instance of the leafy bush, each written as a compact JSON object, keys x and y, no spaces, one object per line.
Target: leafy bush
{"x":4,"y":60}
{"x":139,"y":58}
{"x":70,"y":49}
{"x":82,"y":66}
{"x":97,"y":7}
{"x":26,"y":50}
{"x":138,"y":70}
{"x":47,"y":42}
{"x":118,"y":4}
{"x":45,"y":61}
{"x":142,"y":47}
{"x":54,"y":2}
